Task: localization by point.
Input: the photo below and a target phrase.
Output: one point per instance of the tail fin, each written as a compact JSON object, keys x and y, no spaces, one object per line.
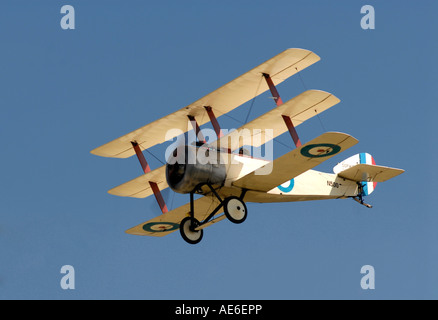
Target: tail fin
{"x":363,"y":169}
{"x":361,"y":158}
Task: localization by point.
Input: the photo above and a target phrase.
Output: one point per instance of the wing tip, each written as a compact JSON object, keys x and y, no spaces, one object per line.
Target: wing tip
{"x":309,"y":53}
{"x":132,"y":232}
{"x":97,"y":152}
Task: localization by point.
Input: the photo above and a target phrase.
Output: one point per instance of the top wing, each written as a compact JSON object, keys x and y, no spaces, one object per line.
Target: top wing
{"x":297,"y":162}
{"x":299,"y":109}
{"x":223,"y":100}
{"x":370,"y":173}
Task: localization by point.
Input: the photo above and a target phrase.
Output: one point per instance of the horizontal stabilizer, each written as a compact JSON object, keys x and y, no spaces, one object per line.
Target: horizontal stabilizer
{"x":370,"y":173}
{"x":222,"y":101}
{"x":140,"y":187}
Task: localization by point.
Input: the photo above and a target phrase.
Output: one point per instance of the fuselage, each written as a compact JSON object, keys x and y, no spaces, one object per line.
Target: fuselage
{"x":193,"y":166}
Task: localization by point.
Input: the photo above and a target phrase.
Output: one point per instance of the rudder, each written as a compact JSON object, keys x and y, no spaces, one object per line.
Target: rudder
{"x":361,"y":158}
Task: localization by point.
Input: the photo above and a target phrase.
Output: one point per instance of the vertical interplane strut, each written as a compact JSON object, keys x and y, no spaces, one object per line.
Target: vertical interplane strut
{"x":214,"y":122}
{"x":197,"y":129}
{"x":145,"y":166}
{"x":279,"y":102}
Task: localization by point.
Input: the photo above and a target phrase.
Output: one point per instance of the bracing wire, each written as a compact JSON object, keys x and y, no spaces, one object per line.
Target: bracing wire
{"x":301,"y":78}
{"x":154,"y":156}
{"x":253,"y":100}
{"x":305,"y":88}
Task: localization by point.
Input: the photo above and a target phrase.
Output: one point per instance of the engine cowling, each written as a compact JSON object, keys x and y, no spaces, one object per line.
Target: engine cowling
{"x":185,"y":172}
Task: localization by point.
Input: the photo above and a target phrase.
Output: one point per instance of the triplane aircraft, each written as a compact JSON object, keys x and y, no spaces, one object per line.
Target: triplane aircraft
{"x":236,"y":178}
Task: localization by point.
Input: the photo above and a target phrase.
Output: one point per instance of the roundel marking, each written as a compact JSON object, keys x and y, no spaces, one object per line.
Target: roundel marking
{"x":287,"y":188}
{"x":320,"y":150}
{"x":160,"y":227}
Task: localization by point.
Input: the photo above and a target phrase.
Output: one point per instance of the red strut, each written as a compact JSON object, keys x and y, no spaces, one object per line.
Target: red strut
{"x":145,"y":166}
{"x":197,"y":129}
{"x":214,"y":122}
{"x":279,"y":102}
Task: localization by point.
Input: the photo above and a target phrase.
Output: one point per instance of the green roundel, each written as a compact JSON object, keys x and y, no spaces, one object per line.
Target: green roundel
{"x":160,"y":227}
{"x":320,"y":150}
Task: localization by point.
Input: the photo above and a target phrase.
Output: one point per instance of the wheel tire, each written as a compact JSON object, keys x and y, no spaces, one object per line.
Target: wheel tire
{"x":235,"y":210}
{"x":192,"y":237}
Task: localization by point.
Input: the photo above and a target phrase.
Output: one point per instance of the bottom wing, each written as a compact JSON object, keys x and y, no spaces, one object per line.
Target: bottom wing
{"x":296,"y":162}
{"x":168,"y":223}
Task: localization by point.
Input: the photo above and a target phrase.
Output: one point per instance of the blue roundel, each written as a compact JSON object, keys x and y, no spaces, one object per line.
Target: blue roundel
{"x":288,"y":188}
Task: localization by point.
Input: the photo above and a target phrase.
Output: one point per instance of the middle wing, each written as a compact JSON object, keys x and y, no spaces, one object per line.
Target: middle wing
{"x":140,"y":187}
{"x":296,"y":162}
{"x":299,"y":109}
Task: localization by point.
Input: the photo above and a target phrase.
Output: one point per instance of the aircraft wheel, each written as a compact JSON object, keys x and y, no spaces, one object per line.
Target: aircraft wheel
{"x":235,"y":210}
{"x":187,"y":231}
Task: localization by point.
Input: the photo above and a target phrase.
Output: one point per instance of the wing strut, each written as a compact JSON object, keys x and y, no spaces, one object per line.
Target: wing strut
{"x":145,"y":166}
{"x":197,"y":129}
{"x":279,"y":102}
{"x":216,"y":126}
{"x":214,"y":122}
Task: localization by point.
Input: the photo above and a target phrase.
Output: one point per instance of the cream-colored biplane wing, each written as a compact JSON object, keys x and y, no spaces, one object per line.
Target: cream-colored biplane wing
{"x":169,"y":222}
{"x":222,"y":101}
{"x":370,"y":173}
{"x":299,"y":109}
{"x":297,"y":162}
{"x":140,"y":187}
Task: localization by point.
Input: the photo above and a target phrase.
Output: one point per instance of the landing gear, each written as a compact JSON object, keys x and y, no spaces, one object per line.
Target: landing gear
{"x":188,"y":232}
{"x":360,"y":197}
{"x":361,"y":201}
{"x":235,"y":210}
{"x":192,"y":231}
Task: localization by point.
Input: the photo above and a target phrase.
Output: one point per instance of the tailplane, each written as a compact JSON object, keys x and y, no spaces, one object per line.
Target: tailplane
{"x":362,"y":168}
{"x":368,"y":186}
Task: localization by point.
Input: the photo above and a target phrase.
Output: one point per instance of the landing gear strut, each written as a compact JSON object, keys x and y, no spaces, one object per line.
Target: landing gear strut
{"x":234,"y":207}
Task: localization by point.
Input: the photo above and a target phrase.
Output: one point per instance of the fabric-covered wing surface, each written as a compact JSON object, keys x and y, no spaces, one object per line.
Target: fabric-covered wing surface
{"x":140,"y":187}
{"x":299,"y":109}
{"x":169,"y":222}
{"x":223,"y":100}
{"x":297,"y":162}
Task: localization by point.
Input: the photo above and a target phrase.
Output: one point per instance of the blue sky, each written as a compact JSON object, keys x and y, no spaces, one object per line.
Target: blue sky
{"x":127,"y":63}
